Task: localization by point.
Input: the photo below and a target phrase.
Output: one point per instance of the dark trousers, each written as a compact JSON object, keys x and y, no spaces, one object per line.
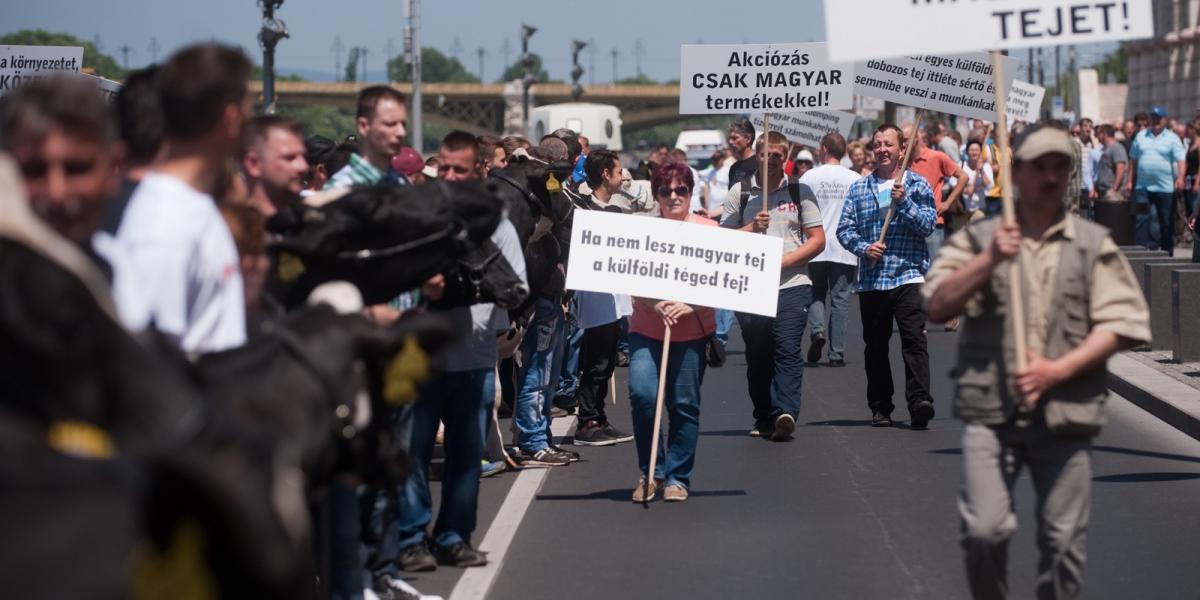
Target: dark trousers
{"x":597,"y":360}
{"x":878,"y":310}
{"x":774,"y":362}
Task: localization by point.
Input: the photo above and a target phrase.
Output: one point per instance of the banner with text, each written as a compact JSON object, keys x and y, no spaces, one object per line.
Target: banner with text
{"x":865,"y":29}
{"x":958,"y":84}
{"x":725,"y":79}
{"x":674,"y":260}
{"x":807,"y":128}
{"x":1024,"y":102}
{"x":22,"y":64}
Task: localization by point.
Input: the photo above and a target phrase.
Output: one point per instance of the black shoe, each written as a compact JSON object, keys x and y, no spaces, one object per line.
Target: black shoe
{"x":761,"y":426}
{"x":814,"y":349}
{"x":879,"y":419}
{"x":617,"y":434}
{"x":566,"y":402}
{"x":783,"y":427}
{"x":592,"y":433}
{"x":571,"y":454}
{"x":460,"y":554}
{"x":547,"y":457}
{"x":416,"y":558}
{"x":505,"y":411}
{"x":837,"y":362}
{"x":622,"y":358}
{"x":922,"y":413}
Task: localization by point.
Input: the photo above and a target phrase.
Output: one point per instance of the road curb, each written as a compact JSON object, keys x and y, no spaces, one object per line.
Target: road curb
{"x":1171,"y":401}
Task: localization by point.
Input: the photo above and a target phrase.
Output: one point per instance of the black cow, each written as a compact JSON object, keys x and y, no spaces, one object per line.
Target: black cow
{"x":389,"y":239}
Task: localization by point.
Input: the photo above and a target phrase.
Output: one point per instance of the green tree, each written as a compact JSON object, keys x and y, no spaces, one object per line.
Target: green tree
{"x":333,"y":123}
{"x":517,"y":71}
{"x":638,"y":80}
{"x":352,"y":65}
{"x":105,"y":65}
{"x":257,"y":74}
{"x":1116,"y":64}
{"x":435,"y":68}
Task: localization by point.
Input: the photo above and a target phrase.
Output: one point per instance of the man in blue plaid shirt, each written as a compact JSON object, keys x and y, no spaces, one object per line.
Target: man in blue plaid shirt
{"x":890,"y":275}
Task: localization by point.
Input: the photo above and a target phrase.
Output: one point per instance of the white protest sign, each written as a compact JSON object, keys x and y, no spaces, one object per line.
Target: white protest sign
{"x":865,"y":29}
{"x":807,"y":128}
{"x":1024,"y":102}
{"x":674,"y":260}
{"x":724,"y":79}
{"x":958,"y":84}
{"x":21,"y":64}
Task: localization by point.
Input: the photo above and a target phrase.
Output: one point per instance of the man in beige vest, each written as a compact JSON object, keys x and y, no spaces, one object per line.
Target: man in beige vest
{"x":1082,"y":305}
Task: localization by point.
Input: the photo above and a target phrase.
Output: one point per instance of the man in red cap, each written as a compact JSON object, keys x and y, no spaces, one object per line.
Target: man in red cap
{"x":408,"y":164}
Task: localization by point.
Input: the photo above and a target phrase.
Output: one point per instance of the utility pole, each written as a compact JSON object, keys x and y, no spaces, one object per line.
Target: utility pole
{"x":615,"y":53}
{"x":412,"y":52}
{"x":530,"y":77}
{"x":481,"y":52}
{"x":337,"y":57}
{"x":1058,"y":72}
{"x":639,"y":50}
{"x":125,"y":50}
{"x":591,"y":61}
{"x":1073,"y":76}
{"x":154,"y":48}
{"x":456,"y":48}
{"x":272,"y":31}
{"x":362,"y":53}
{"x":506,"y":51}
{"x":390,"y":52}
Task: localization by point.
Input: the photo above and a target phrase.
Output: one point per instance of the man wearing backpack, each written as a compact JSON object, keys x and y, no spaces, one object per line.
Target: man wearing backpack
{"x":774,"y":361}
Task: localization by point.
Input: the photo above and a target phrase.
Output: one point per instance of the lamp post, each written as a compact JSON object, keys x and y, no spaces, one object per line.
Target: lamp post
{"x":576,"y":70}
{"x":272,"y":31}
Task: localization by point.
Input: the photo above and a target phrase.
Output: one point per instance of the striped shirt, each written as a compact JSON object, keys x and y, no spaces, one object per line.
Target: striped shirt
{"x":357,"y":172}
{"x":906,"y":259}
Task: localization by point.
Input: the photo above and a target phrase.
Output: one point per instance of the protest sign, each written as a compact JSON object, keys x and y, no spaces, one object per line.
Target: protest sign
{"x":724,"y":79}
{"x":674,"y":260}
{"x":22,"y":64}
{"x":1024,"y":101}
{"x":958,"y":84}
{"x":808,"y":127}
{"x":866,"y":29}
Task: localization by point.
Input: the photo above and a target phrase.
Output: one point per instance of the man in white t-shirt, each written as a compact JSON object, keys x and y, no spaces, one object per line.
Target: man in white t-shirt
{"x":832,"y":271}
{"x":178,"y":247}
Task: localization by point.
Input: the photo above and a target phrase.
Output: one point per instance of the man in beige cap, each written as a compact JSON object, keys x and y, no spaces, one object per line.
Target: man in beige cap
{"x":1082,"y":305}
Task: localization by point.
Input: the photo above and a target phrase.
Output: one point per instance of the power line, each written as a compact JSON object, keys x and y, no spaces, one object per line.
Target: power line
{"x":639,"y":50}
{"x":456,"y":48}
{"x":481,"y":52}
{"x":154,"y":48}
{"x":125,"y":50}
{"x":591,"y":61}
{"x":506,"y":51}
{"x":362,"y":53}
{"x":615,"y":54}
{"x":337,"y":57}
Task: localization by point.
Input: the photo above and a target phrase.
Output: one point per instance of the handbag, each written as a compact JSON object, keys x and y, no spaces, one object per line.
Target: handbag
{"x":714,"y":350}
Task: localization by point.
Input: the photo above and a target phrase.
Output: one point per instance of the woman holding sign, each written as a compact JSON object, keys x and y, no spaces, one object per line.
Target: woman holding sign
{"x":690,"y":329}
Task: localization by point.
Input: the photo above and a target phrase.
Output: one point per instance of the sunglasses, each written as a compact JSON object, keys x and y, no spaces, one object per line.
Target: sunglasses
{"x":682,"y":190}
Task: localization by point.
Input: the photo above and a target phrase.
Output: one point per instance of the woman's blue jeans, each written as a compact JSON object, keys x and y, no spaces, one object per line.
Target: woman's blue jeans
{"x":681,"y":404}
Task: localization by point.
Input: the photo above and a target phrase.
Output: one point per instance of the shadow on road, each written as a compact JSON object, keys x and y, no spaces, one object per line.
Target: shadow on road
{"x":1146,"y":477}
{"x":623,"y":495}
{"x":1111,"y":449}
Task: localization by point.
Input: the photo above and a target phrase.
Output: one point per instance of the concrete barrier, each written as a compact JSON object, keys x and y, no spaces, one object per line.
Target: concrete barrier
{"x":1185,"y":315}
{"x":1158,"y":289}
{"x":1138,"y":263}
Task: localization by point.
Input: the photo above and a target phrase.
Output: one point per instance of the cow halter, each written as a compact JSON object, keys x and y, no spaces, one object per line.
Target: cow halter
{"x":370,"y":253}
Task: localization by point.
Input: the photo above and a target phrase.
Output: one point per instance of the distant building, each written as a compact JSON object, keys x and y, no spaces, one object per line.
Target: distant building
{"x":1165,"y":71}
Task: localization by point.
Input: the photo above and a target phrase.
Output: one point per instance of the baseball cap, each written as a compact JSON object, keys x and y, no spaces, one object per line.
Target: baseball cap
{"x":1041,"y":140}
{"x":407,"y":161}
{"x":804,"y":155}
{"x":1158,"y":111}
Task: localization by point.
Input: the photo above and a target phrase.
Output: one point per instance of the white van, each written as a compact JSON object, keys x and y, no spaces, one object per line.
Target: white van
{"x":600,"y":123}
{"x":700,"y":140}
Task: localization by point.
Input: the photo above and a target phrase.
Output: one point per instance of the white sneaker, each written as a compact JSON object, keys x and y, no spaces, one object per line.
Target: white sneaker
{"x":399,"y":589}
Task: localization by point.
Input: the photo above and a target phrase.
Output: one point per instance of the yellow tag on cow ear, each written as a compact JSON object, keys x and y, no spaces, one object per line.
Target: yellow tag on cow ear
{"x":552,"y":184}
{"x":290,"y":266}
{"x":409,"y":368}
{"x":80,"y":439}
{"x":179,"y":571}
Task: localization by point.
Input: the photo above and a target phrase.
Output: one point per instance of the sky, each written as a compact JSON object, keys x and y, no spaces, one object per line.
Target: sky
{"x":656,"y":26}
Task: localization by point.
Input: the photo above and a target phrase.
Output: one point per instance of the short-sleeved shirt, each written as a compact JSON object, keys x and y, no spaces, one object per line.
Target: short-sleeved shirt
{"x":1116,"y":303}
{"x":831,"y":183}
{"x":691,"y":327}
{"x":1106,"y":174}
{"x":181,"y":255}
{"x":788,"y":221}
{"x":935,"y":167}
{"x":1156,"y":156}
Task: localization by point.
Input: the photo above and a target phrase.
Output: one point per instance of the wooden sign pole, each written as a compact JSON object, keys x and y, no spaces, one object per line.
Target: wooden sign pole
{"x":1016,"y":300}
{"x":658,"y":408}
{"x":766,"y":192}
{"x":908,"y":158}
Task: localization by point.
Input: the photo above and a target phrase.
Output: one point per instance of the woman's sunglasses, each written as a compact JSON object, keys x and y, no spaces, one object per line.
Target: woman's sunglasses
{"x":682,"y":190}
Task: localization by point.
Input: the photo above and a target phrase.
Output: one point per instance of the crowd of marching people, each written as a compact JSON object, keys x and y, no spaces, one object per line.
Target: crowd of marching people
{"x":185,"y":216}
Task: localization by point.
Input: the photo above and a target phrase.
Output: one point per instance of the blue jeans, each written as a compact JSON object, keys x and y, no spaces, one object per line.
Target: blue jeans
{"x":541,"y":350}
{"x":345,"y":561}
{"x":724,"y":323}
{"x":835,"y":279}
{"x":774,"y":361}
{"x":1155,"y":224}
{"x":568,"y":375}
{"x":681,"y":405}
{"x":463,"y":401}
{"x":623,"y":341}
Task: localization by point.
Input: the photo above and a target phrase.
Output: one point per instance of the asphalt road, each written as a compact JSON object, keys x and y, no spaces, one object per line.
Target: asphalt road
{"x":841,"y":511}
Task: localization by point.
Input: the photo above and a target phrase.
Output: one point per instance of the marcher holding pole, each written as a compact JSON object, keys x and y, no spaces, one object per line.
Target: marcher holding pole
{"x":666,"y":364}
{"x":1083,"y":306}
